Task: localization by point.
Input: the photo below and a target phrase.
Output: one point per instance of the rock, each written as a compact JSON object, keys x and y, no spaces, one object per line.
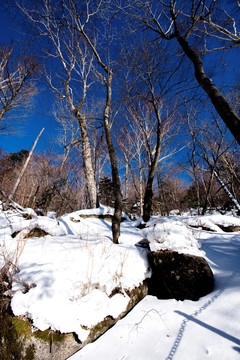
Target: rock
{"x":51,"y":345}
{"x":179,"y":276}
{"x":47,"y":345}
{"x":35,"y":232}
{"x":229,"y":228}
{"x":205,"y":228}
{"x":135,"y":295}
{"x":106,"y":217}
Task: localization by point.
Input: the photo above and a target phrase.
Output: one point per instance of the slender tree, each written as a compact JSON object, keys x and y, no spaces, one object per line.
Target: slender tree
{"x":107,"y":14}
{"x":73,"y":69}
{"x":151,"y":107}
{"x":25,"y":166}
{"x":213,"y":145}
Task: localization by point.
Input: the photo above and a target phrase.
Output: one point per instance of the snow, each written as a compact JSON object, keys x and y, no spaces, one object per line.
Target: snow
{"x":212,"y":221}
{"x":171,"y":234}
{"x":64,"y":279}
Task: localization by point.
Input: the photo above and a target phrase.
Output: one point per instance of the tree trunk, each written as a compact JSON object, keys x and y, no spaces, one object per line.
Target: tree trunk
{"x":162,"y":194}
{"x":231,"y":197}
{"x":229,"y":117}
{"x":87,"y":163}
{"x":147,"y":207}
{"x":140,"y":184}
{"x":207,"y":198}
{"x":113,"y":160}
{"x":148,"y":197}
{"x":24,"y":167}
{"x":126,"y":180}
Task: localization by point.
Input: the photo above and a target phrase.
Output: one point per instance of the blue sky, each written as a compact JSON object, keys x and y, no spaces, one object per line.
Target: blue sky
{"x":39,"y":116}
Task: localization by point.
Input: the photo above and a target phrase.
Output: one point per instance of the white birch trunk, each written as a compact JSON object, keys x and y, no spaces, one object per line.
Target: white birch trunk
{"x":87,"y":163}
{"x":24,"y":167}
{"x":227,"y":191}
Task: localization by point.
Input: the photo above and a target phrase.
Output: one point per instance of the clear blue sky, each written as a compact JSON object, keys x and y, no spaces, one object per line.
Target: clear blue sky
{"x":39,"y":117}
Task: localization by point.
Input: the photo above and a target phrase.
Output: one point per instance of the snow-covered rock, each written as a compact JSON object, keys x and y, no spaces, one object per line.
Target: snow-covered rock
{"x":172,"y":235}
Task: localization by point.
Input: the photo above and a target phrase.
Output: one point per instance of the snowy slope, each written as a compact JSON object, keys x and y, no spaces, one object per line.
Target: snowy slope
{"x":76,"y":267}
{"x":169,"y":329}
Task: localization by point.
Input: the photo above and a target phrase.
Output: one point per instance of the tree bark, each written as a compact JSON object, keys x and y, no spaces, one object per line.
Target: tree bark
{"x":140,"y":184}
{"x":148,"y":196}
{"x":147,"y":207}
{"x":113,"y":160}
{"x":229,"y":117}
{"x":207,"y":197}
{"x":25,"y":166}
{"x":87,"y":163}
{"x":231,"y":197}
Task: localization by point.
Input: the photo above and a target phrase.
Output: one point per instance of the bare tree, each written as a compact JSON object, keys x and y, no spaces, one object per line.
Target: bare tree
{"x":74,"y":75}
{"x":193,"y":145}
{"x":78,"y":19}
{"x":16,"y":84}
{"x":131,"y":145}
{"x":213,"y":145}
{"x":107,"y":15}
{"x":149,"y":106}
{"x":199,"y":26}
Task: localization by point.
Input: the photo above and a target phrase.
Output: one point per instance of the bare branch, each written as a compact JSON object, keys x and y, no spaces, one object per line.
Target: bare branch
{"x":16,"y":87}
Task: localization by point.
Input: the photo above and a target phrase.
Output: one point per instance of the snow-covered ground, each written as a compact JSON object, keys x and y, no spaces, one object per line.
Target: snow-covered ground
{"x":64,"y":279}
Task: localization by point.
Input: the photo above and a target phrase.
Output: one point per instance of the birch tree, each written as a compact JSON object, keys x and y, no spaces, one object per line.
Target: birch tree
{"x":106,"y":15}
{"x":131,"y":145}
{"x":24,"y":167}
{"x":73,"y":69}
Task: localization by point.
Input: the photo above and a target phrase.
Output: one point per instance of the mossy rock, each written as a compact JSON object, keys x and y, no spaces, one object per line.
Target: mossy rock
{"x":39,"y":345}
{"x":100,"y":328}
{"x":136,"y":295}
{"x":52,"y":345}
{"x":49,"y":336}
{"x":13,"y":332}
{"x":22,"y":326}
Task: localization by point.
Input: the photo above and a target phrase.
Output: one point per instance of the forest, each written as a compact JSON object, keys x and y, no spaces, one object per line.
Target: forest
{"x":145,"y":101}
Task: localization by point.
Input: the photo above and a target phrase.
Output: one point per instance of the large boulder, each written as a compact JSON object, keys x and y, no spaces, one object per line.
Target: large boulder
{"x":179,"y":276}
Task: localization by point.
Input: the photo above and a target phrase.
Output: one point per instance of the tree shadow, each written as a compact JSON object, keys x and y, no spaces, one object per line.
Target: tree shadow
{"x":206,"y":326}
{"x":210,"y":327}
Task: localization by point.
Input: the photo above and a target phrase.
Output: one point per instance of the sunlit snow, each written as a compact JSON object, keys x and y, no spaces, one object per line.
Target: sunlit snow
{"x":62,"y":281}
